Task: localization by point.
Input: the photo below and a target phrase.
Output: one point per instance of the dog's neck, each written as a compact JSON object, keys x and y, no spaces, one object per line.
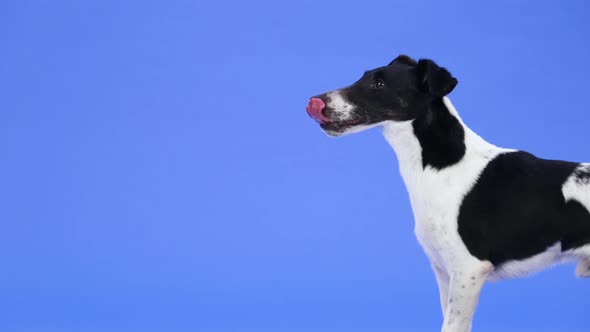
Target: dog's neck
{"x":434,"y":142}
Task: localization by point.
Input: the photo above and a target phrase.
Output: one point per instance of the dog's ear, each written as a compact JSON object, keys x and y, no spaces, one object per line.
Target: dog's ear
{"x":433,"y":79}
{"x":406,"y":60}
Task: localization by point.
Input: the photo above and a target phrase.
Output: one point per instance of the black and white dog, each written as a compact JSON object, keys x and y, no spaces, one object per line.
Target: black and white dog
{"x":482,"y":212}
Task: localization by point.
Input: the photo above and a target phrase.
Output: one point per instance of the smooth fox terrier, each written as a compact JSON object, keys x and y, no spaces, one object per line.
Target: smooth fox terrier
{"x":481,"y":212}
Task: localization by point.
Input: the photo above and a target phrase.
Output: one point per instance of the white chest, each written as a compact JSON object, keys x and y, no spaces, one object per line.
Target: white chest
{"x":436,"y":198}
{"x":436,"y":195}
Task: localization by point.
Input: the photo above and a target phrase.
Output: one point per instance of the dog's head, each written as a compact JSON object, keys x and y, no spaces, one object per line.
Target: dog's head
{"x":400,"y":91}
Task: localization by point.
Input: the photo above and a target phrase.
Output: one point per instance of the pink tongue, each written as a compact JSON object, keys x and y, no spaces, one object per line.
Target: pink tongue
{"x":315,"y":108}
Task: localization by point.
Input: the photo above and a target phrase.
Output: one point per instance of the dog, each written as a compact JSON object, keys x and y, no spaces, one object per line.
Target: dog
{"x":481,"y":212}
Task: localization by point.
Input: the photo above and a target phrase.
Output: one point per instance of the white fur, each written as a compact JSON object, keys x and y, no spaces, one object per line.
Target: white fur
{"x":521,"y":268}
{"x":583,"y":255}
{"x":342,"y":109}
{"x":583,"y":268}
{"x":574,"y":189}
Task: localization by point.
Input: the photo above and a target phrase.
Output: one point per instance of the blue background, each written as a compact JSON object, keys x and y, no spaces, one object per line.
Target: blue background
{"x":159,"y":172}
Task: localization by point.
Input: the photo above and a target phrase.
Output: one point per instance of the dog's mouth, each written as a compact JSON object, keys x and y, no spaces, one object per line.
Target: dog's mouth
{"x":336,"y":126}
{"x":329,"y":121}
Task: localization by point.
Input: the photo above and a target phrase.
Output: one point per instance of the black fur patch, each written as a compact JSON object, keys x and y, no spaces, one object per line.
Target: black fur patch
{"x":406,"y":60}
{"x":517,"y":209}
{"x":435,"y":80}
{"x":578,"y":220}
{"x":441,"y":136}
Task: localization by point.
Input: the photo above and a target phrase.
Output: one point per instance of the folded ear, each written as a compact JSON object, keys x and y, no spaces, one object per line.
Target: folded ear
{"x":435,"y":80}
{"x":406,"y":60}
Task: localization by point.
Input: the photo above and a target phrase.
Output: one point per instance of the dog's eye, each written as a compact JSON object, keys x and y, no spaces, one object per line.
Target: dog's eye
{"x":378,"y":84}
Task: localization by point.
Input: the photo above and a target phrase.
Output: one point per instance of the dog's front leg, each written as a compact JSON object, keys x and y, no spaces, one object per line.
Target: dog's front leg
{"x":442,"y":280}
{"x":464,"y":289}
